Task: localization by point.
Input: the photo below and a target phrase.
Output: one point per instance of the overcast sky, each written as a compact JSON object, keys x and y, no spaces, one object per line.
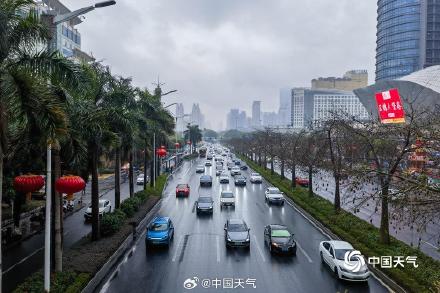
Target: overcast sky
{"x":224,"y":54}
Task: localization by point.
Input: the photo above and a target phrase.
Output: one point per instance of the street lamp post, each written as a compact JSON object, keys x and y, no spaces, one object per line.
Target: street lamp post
{"x":53,"y":19}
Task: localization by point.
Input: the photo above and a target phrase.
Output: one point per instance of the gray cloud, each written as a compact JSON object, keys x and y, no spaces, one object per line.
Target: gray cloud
{"x":226,"y":53}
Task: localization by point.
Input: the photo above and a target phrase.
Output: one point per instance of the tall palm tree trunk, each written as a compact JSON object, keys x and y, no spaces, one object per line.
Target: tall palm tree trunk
{"x":58,"y":211}
{"x":130,"y":173}
{"x":1,"y":199}
{"x":310,"y":180}
{"x":117,"y":177}
{"x":95,"y":194}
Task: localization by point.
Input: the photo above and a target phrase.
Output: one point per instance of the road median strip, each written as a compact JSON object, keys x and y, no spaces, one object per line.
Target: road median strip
{"x":87,"y":262}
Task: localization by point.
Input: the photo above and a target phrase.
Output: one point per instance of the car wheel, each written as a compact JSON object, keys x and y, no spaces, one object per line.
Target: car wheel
{"x":282,"y":203}
{"x":270,"y":248}
{"x":322,"y":257}
{"x":294,"y":252}
{"x":336,"y":272}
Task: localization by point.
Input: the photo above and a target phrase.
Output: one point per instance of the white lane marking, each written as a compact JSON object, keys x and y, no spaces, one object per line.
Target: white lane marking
{"x":177,"y":248}
{"x":259,"y":249}
{"x":218,"y":248}
{"x":22,"y":260}
{"x":304,"y":252}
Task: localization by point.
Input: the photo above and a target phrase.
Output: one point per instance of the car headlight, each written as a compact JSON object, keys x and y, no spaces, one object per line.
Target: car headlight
{"x":275,"y":244}
{"x":248,"y":239}
{"x":229,"y":239}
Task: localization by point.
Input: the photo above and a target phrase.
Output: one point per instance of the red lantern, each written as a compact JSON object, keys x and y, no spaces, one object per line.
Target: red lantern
{"x":70,"y":184}
{"x":188,"y":142}
{"x":177,"y":145}
{"x":162,"y":152}
{"x":28,"y":184}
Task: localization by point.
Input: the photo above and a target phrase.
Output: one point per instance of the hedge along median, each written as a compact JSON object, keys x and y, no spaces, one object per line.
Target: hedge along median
{"x":362,"y":235}
{"x":85,"y":258}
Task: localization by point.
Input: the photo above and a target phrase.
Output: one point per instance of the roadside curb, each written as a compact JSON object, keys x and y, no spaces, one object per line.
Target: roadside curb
{"x":102,"y":275}
{"x":108,"y":271}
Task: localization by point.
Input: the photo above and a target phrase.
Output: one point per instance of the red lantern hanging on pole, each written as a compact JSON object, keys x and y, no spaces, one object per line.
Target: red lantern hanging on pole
{"x":69,"y":185}
{"x":28,"y":184}
{"x":177,"y":145}
{"x":161,"y":152}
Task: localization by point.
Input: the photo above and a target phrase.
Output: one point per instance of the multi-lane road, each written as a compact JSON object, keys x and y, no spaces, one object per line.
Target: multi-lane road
{"x":198,"y":251}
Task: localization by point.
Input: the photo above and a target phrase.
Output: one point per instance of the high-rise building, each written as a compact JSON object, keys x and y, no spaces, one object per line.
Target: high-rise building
{"x":66,"y":38}
{"x":408,"y":37}
{"x":180,"y":122}
{"x":351,"y":80}
{"x":284,"y":112}
{"x":256,"y":114}
{"x":197,"y":117}
{"x":314,"y":106}
{"x":232,"y":119}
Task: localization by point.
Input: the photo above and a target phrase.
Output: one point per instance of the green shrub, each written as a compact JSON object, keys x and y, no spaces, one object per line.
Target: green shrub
{"x":112,"y":222}
{"x":362,"y":235}
{"x":128,"y":208}
{"x":61,"y":282}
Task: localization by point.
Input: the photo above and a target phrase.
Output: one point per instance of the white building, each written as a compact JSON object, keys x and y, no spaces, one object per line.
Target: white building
{"x":66,"y":38}
{"x":197,"y":117}
{"x":180,"y":122}
{"x":312,"y":107}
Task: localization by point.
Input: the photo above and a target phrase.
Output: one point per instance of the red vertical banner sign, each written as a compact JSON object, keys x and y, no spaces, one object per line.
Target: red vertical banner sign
{"x":390,"y":107}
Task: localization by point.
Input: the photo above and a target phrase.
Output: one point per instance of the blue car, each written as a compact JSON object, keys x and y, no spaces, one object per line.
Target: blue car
{"x":159,"y":232}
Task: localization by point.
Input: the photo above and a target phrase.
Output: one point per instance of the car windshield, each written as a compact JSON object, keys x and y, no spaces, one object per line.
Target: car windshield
{"x":158,"y":227}
{"x":273,"y":191}
{"x":181,"y":186}
{"x":204,"y":199}
{"x":340,"y":253}
{"x":280,"y":233}
{"x":101,"y":205}
{"x":255,"y":174}
{"x":227,"y":194}
{"x":237,"y":228}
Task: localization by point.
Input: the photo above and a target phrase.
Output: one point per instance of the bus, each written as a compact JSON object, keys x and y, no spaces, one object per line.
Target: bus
{"x":202,"y":152}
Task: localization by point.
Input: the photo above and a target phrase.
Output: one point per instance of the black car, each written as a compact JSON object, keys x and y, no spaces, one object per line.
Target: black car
{"x":279,"y":239}
{"x":237,"y":233}
{"x":243,"y":167}
{"x":237,"y":163}
{"x":205,"y":180}
{"x":240,"y":180}
{"x":204,"y":204}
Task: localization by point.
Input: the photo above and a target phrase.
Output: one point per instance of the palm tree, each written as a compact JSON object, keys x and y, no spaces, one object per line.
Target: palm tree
{"x":120,"y":101}
{"x":193,"y":134}
{"x":93,"y":117}
{"x":27,"y":102}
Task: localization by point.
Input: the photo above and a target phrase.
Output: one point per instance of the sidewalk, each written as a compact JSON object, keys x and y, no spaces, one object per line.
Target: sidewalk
{"x":324,"y":185}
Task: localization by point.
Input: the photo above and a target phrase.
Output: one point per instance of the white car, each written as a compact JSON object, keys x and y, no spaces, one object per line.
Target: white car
{"x":227,"y":198}
{"x":200,"y":169}
{"x":342,"y":259}
{"x":224,"y":177}
{"x":104,"y":207}
{"x":140,"y":179}
{"x":274,"y":196}
{"x":256,"y":178}
{"x":208,"y":163}
{"x":235,"y":171}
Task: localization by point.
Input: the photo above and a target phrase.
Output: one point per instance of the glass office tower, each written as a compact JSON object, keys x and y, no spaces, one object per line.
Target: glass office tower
{"x":408,"y":37}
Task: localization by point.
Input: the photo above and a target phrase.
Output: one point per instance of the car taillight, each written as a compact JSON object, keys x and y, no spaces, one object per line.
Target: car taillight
{"x":177,"y":189}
